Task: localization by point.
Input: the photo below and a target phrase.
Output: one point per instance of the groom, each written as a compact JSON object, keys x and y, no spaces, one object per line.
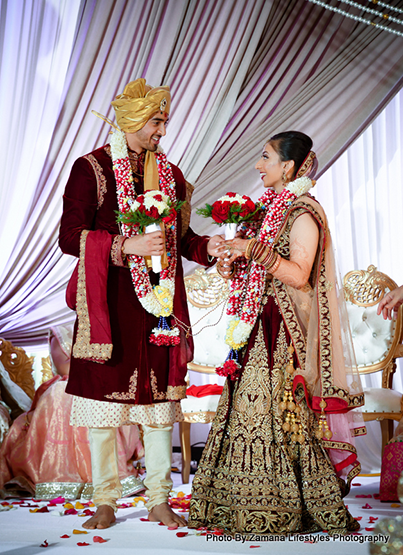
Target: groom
{"x":117,"y":376}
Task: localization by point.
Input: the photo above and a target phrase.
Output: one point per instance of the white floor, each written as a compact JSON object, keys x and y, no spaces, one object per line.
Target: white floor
{"x":24,"y":533}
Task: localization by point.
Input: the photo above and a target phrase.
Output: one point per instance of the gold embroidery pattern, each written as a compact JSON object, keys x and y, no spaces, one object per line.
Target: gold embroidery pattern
{"x":83,"y":348}
{"x":176,"y":392}
{"x":129,"y":395}
{"x":157,"y":395}
{"x":101,"y":180}
{"x":288,"y":313}
{"x":116,"y":250}
{"x":251,"y":480}
{"x":186,"y":208}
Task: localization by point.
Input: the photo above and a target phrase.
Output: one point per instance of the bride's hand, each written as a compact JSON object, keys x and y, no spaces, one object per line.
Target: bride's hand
{"x":234,"y":248}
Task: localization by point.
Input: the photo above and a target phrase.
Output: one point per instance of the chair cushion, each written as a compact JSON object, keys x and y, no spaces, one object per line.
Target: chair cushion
{"x":209,"y":327}
{"x":371,"y":334}
{"x":207,"y":403}
{"x":382,"y":400}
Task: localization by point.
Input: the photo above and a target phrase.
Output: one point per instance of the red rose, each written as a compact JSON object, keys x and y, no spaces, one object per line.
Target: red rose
{"x":247,"y":208}
{"x":170,"y":218}
{"x":230,"y":195}
{"x":220,"y":211}
{"x":153,"y":213}
{"x":158,"y":198}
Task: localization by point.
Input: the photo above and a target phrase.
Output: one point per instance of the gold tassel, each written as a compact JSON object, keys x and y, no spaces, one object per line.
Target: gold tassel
{"x":323,"y":427}
{"x":288,"y":408}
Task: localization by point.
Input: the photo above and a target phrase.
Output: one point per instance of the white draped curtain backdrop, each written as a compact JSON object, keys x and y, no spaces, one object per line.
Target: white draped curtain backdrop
{"x":239,"y":71}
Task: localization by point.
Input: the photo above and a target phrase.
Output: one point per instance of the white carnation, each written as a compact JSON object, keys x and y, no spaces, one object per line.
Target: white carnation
{"x":237,"y":198}
{"x":300,"y":186}
{"x":150,"y":201}
{"x":168,"y":284}
{"x":242,"y":332}
{"x":151,"y":304}
{"x":118,"y":145}
{"x":134,"y":206}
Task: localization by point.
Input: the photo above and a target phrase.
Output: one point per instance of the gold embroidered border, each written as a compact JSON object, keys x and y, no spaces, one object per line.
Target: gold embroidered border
{"x":51,"y":490}
{"x":157,"y":395}
{"x":116,"y":250}
{"x":324,"y":322}
{"x":176,"y":392}
{"x":83,"y":348}
{"x":359,"y":431}
{"x":101,"y":180}
{"x":187,"y":208}
{"x":291,"y":320}
{"x":126,"y":395}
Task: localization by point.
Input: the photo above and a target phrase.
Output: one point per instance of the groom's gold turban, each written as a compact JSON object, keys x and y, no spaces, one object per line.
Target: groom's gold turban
{"x":138,"y":103}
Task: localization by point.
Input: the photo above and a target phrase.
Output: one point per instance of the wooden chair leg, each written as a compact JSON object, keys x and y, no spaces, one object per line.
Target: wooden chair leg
{"x":184,"y":434}
{"x":387,"y":431}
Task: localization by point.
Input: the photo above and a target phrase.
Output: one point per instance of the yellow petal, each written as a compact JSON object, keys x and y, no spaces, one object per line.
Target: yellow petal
{"x":79,"y":532}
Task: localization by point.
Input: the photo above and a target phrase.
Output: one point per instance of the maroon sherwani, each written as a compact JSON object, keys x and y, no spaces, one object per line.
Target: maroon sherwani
{"x":137,"y":372}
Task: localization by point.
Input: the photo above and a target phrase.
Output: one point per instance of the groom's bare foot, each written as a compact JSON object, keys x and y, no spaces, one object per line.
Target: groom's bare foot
{"x":163,"y":513}
{"x":103,"y":518}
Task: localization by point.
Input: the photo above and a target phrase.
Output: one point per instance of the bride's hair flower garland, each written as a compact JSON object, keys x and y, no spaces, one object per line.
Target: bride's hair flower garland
{"x":247,"y":288}
{"x":153,"y":300}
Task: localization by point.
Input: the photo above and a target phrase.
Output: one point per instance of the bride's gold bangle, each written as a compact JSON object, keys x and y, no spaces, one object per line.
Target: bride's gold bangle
{"x":249,"y":248}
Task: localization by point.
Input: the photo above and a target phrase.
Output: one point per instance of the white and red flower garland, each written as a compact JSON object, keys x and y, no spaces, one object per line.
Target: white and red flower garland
{"x":154,"y":300}
{"x":247,"y":288}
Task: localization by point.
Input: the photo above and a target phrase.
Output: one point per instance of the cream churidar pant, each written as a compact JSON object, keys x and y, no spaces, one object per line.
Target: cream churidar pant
{"x":104,"y":463}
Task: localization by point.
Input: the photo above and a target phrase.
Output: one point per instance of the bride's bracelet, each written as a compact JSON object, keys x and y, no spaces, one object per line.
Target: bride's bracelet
{"x":249,"y":247}
{"x":275,"y":265}
{"x":262,"y":255}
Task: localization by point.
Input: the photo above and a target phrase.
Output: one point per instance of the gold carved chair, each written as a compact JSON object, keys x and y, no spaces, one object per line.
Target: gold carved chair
{"x":207,"y":293}
{"x":17,"y":386}
{"x":377,"y":344}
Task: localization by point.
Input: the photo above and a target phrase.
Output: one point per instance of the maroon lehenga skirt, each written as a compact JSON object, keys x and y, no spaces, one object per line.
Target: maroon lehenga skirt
{"x":252,"y":478}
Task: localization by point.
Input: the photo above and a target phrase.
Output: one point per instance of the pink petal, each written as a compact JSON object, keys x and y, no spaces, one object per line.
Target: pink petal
{"x":363,"y":496}
{"x":57,"y":500}
{"x":366,"y":506}
{"x":81,"y":544}
{"x":144,"y":520}
{"x":182,"y":534}
{"x":44,"y":544}
{"x":64,"y":537}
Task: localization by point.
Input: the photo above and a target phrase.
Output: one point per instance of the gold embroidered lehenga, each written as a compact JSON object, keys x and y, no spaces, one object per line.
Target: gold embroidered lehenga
{"x":252,"y":478}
